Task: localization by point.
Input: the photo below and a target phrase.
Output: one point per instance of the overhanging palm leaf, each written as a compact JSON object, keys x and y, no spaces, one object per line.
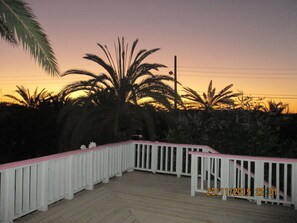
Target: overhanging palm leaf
{"x":7,"y":34}
{"x":17,"y":21}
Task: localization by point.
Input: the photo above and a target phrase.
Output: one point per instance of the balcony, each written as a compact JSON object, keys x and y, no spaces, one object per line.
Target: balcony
{"x":115,"y":183}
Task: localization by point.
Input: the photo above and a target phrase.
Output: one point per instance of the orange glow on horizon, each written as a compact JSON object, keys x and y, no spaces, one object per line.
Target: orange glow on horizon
{"x":202,"y":34}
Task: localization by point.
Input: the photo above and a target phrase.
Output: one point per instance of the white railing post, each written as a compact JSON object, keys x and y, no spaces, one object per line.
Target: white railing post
{"x":224,"y":176}
{"x":69,"y":175}
{"x":106,"y":165}
{"x":205,"y":169}
{"x":179,"y":161}
{"x":294,"y":184}
{"x":8,"y":192}
{"x":194,"y":174}
{"x":43,"y":187}
{"x":90,"y":184}
{"x":119,"y":172}
{"x":231,"y":174}
{"x":131,"y":157}
{"x":154,"y":158}
{"x":259,"y":179}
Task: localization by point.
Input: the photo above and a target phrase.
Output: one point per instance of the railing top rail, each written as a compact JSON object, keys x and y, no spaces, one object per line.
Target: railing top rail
{"x":230,"y":156}
{"x":177,"y":145}
{"x":57,"y":156}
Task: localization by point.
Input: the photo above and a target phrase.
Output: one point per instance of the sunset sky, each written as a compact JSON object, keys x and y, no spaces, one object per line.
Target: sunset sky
{"x":251,"y":44}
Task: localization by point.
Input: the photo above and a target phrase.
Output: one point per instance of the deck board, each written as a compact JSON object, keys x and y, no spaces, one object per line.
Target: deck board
{"x":151,"y":198}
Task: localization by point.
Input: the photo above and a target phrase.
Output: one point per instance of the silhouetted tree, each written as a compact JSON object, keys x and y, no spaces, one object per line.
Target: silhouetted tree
{"x":116,"y":100}
{"x":29,"y":100}
{"x":210,"y":100}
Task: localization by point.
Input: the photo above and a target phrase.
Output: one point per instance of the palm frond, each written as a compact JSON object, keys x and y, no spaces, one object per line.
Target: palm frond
{"x":80,"y":72}
{"x":19,"y":19}
{"x":7,"y":34}
{"x":193,"y":96}
{"x":132,"y":51}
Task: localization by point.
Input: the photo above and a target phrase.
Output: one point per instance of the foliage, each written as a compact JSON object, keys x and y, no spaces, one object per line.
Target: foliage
{"x":277,"y":108}
{"x":210,"y":100}
{"x":19,"y":24}
{"x":237,"y":132}
{"x":128,"y":77}
{"x":116,"y":102}
{"x":29,"y":100}
{"x":27,"y":132}
{"x":249,"y":103}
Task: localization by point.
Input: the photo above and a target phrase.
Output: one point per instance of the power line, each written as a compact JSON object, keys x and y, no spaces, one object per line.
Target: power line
{"x":222,"y":72}
{"x":275,"y":96}
{"x":208,"y":76}
{"x":238,"y":68}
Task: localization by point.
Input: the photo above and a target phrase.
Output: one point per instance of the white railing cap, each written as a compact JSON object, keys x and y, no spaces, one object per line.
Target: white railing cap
{"x":58,"y":156}
{"x":176,"y":145}
{"x":242,"y":157}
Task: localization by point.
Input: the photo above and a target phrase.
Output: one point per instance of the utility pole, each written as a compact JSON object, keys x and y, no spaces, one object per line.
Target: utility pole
{"x":175,"y":83}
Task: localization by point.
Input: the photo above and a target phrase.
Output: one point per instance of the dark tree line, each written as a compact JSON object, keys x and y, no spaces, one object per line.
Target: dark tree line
{"x":128,"y":100}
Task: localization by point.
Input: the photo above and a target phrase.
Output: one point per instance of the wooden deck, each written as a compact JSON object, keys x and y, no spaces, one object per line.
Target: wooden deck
{"x":153,"y":198}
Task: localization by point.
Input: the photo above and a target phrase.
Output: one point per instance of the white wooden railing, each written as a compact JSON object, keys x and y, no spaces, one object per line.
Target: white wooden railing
{"x":169,"y":158}
{"x":33,"y":184}
{"x":261,"y":179}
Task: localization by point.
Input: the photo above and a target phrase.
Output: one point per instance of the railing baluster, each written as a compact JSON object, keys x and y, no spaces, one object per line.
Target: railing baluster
{"x":70,"y":178}
{"x":43,"y":183}
{"x":26,"y":188}
{"x":208,"y":171}
{"x":225,"y":176}
{"x":138,"y":156}
{"x":18,"y":190}
{"x":277,"y":181}
{"x":142,"y":156}
{"x":259,"y":180}
{"x":216,"y":173}
{"x":242,"y":175}
{"x":285,"y":181}
{"x":249,"y":175}
{"x":294,"y":185}
{"x":33,"y":187}
{"x":194,"y":174}
{"x":161,"y":158}
{"x":202,"y":174}
{"x":147,"y":157}
{"x":154,"y":158}
{"x":179,"y":161}
{"x":171,"y":159}
{"x":234,"y":173}
{"x":8,"y":192}
{"x":56,"y":170}
{"x":269,"y":177}
{"x":187,"y":160}
{"x":166,"y":158}
{"x":90,"y":169}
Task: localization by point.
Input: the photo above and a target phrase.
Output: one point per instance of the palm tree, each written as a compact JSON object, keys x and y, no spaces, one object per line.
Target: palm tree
{"x":210,"y":100}
{"x":18,"y":24}
{"x":129,"y":84}
{"x":27,"y":100}
{"x":276,"y":108}
{"x":249,"y":103}
{"x":129,"y":78}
